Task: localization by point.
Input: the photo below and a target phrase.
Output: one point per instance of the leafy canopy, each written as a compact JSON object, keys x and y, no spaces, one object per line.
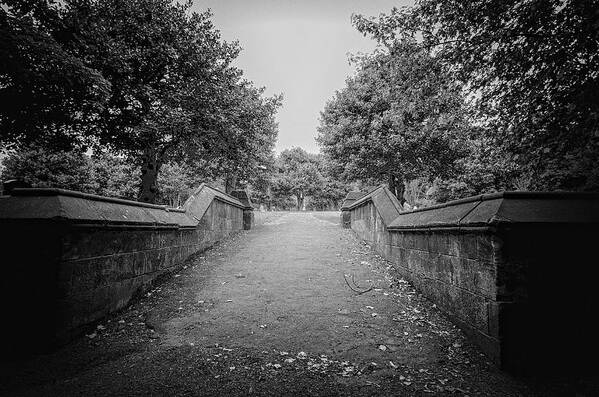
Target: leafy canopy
{"x":400,"y":115}
{"x":531,"y":67}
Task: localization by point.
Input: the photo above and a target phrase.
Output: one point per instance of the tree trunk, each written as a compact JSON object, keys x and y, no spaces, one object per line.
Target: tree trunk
{"x":150,"y":167}
{"x":300,"y":201}
{"x":397,"y":187}
{"x":230,"y":183}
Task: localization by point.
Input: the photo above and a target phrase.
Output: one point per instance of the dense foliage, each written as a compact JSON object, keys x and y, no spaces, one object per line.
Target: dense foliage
{"x":101,"y":174}
{"x":144,"y":79}
{"x":298,"y":180}
{"x":399,"y":118}
{"x":531,"y":71}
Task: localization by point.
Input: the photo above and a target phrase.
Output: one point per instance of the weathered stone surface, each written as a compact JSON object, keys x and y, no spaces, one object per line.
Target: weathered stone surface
{"x":493,"y":263}
{"x":351,"y":198}
{"x":87,"y":255}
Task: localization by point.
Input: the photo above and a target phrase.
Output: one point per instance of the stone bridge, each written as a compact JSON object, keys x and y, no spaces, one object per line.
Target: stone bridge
{"x":103,"y":296}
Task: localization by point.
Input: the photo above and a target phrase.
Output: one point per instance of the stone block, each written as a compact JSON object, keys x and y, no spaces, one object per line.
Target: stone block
{"x":345,"y":218}
{"x":476,"y":276}
{"x":90,"y":242}
{"x":486,"y":247}
{"x":248,"y":220}
{"x":441,"y":243}
{"x":468,"y":245}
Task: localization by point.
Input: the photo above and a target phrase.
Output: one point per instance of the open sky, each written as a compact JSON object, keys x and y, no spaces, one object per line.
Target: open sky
{"x":298,"y":48}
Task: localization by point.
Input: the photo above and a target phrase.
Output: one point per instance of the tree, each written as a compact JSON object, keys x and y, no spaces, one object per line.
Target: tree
{"x":100,"y":173}
{"x":399,"y":118}
{"x":531,"y":70}
{"x":329,"y":196}
{"x":173,"y":93}
{"x":308,"y":179}
{"x":42,"y":168}
{"x":169,"y":71}
{"x":48,"y":94}
{"x":113,"y":176}
{"x":176,"y":184}
{"x":298,"y":175}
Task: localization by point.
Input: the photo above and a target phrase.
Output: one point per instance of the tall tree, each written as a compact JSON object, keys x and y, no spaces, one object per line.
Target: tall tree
{"x":48,"y":94}
{"x":399,"y":118}
{"x":531,"y":68}
{"x":169,"y":71}
{"x":172,"y":90}
{"x":298,"y":175}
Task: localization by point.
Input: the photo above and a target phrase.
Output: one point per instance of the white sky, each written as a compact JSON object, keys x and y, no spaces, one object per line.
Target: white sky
{"x":298,"y":48}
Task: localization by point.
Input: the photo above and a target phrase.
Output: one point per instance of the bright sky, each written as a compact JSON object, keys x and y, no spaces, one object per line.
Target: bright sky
{"x":298,"y":48}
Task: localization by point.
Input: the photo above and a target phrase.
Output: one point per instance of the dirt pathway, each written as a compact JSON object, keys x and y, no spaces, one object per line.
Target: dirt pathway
{"x":269,"y":313}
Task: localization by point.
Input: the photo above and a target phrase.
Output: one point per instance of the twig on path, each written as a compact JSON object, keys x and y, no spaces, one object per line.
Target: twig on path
{"x":357,"y":289}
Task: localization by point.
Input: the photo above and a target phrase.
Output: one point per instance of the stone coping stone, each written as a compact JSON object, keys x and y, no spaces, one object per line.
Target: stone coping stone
{"x":505,"y":208}
{"x":243,"y":197}
{"x":385,"y":202}
{"x":351,"y":198}
{"x":82,"y":208}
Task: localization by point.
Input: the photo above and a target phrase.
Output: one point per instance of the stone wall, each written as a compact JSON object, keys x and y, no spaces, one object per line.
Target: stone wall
{"x":501,"y":266}
{"x":71,"y":258}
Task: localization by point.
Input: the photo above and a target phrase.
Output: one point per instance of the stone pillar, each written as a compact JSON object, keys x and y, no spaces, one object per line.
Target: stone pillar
{"x":345,"y":218}
{"x":248,"y":219}
{"x":248,"y":211}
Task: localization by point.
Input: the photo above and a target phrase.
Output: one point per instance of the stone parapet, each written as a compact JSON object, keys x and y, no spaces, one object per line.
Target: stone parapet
{"x":502,"y":266}
{"x":71,"y":258}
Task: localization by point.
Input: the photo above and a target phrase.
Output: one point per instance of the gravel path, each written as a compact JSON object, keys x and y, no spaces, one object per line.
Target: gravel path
{"x":268,"y":312}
